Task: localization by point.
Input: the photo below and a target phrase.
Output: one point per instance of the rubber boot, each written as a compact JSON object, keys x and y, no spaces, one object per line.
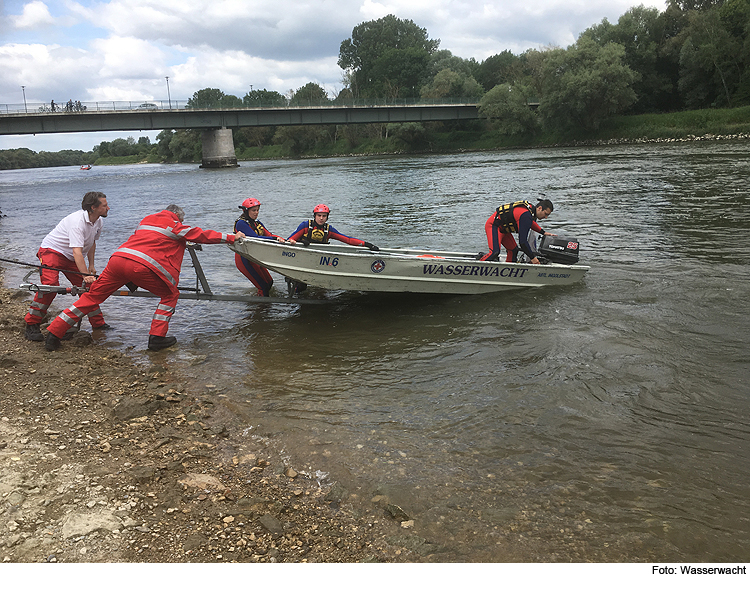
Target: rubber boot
{"x":34,"y":333}
{"x":52,"y":343}
{"x":158,"y":343}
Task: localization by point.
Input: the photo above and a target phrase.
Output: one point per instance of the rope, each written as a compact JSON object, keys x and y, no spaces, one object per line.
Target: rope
{"x":45,"y":267}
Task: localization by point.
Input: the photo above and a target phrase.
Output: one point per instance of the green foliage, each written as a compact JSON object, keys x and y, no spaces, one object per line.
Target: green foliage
{"x":640,"y":32}
{"x":25,"y":158}
{"x":508,"y":109}
{"x":503,"y":68}
{"x":229,"y":101}
{"x":310,"y":94}
{"x":264,"y":98}
{"x":449,"y":83}
{"x":680,"y":124}
{"x":444,"y":60}
{"x":124,"y":147}
{"x":710,"y":70}
{"x":256,"y":137}
{"x":387,"y":57}
{"x":412,"y":134}
{"x":185,"y":146}
{"x":298,"y":139}
{"x":399,"y":73}
{"x":162,"y":147}
{"x":207,"y":98}
{"x":584,"y":85}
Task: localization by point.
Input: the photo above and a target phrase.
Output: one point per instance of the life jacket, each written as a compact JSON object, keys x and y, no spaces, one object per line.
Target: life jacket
{"x":317,"y":234}
{"x":255,"y":225}
{"x":504,"y":215}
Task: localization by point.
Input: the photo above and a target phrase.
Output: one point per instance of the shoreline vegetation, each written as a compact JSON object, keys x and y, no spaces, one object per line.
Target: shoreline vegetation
{"x":435,"y":138}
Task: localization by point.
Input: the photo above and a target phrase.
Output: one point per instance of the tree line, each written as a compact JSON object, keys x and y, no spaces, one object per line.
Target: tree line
{"x":693,"y":55}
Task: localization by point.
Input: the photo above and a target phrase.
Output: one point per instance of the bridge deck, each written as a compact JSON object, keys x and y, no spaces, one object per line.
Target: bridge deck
{"x":156,"y":119}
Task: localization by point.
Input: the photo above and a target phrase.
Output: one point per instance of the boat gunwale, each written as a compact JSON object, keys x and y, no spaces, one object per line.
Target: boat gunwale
{"x":406,"y":254}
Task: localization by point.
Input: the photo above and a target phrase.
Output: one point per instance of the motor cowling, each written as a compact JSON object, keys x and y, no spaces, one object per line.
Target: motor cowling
{"x":559,"y":249}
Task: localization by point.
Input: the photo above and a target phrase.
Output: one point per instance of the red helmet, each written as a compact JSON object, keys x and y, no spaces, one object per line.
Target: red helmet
{"x":249,"y":202}
{"x":321,"y":209}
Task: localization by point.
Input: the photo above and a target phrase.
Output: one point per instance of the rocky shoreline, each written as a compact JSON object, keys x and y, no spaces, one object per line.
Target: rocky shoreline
{"x":102,"y":460}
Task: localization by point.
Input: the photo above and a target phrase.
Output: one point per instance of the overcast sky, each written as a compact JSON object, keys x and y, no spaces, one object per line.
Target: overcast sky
{"x":124,"y":49}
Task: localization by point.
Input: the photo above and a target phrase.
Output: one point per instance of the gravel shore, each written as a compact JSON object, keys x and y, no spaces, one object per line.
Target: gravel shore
{"x":103,"y":460}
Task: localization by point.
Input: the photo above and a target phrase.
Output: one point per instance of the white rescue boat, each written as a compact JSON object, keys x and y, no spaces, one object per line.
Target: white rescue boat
{"x":334,"y":266}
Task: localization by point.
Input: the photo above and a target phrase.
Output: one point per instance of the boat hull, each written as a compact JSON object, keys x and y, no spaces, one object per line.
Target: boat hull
{"x":400,"y":270}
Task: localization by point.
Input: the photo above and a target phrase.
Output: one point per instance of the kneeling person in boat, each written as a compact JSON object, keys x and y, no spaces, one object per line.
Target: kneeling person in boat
{"x":319,"y":231}
{"x":249,"y":224}
{"x":519,"y":217}
{"x":151,"y":258}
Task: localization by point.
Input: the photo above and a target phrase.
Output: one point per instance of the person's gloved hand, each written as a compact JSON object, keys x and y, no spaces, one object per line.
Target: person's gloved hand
{"x":371,"y":246}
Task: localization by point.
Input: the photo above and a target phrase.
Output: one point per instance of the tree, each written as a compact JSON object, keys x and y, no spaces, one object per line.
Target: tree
{"x":163,"y":140}
{"x":399,"y":73}
{"x":641,"y":31}
{"x":710,"y":70}
{"x":264,"y":98}
{"x":310,"y":94}
{"x":253,"y":136}
{"x":230,"y":101}
{"x":297,"y":139}
{"x":503,"y":68}
{"x":448,"y":83}
{"x":444,"y":60}
{"x":507,"y":107}
{"x":585,"y":84}
{"x":413,"y":134}
{"x":372,"y":56}
{"x":185,"y":145}
{"x":207,"y":98}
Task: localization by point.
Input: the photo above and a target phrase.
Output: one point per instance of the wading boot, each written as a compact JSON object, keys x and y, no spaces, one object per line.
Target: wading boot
{"x":158,"y":343}
{"x":34,"y":333}
{"x":52,"y":343}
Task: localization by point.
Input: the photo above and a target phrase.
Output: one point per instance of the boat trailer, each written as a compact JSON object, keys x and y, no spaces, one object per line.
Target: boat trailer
{"x":201,"y":292}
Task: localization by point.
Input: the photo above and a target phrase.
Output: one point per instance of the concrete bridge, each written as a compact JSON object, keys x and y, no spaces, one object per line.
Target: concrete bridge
{"x":217,"y":124}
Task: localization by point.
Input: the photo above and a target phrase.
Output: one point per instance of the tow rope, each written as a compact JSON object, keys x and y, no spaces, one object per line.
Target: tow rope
{"x":46,"y":267}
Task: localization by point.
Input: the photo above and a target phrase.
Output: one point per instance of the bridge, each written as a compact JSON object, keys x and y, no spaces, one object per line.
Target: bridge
{"x":216,"y":124}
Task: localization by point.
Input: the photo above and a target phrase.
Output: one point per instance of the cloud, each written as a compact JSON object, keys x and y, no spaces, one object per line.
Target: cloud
{"x":35,"y":15}
{"x":282,"y":29}
{"x":120,"y":50}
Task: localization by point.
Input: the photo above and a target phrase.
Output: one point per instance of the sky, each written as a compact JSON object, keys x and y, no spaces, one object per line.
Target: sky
{"x":124,"y":50}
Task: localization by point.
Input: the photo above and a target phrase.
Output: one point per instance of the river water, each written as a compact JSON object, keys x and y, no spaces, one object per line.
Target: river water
{"x":605,"y":421}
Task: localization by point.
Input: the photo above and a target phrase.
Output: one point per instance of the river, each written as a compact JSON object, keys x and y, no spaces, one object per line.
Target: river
{"x":605,"y":421}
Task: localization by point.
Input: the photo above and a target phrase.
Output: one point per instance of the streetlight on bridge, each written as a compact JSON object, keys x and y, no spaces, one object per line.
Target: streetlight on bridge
{"x":169,"y":96}
{"x":25,"y":108}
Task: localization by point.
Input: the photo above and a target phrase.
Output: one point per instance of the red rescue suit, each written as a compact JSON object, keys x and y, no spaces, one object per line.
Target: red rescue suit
{"x":42,"y":301}
{"x":522,"y":219}
{"x":151,"y":258}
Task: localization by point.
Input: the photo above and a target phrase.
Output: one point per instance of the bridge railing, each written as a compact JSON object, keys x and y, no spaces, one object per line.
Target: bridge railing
{"x":36,"y":108}
{"x":95,"y":106}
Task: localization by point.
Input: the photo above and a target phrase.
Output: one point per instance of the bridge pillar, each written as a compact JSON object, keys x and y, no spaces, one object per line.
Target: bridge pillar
{"x":218,"y":149}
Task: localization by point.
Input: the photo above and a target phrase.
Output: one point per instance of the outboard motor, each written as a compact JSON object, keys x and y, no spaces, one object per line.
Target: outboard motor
{"x":559,"y":249}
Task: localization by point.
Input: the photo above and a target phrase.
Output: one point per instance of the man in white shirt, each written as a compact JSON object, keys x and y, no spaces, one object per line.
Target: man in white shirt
{"x":66,"y":249}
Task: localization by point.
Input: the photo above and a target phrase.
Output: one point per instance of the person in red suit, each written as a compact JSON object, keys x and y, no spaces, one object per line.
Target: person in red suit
{"x":519,"y":217}
{"x":249,"y":224}
{"x":151,"y":258}
{"x":318,"y":230}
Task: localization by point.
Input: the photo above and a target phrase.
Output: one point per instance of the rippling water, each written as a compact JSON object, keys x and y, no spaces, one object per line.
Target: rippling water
{"x":604,"y":421}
